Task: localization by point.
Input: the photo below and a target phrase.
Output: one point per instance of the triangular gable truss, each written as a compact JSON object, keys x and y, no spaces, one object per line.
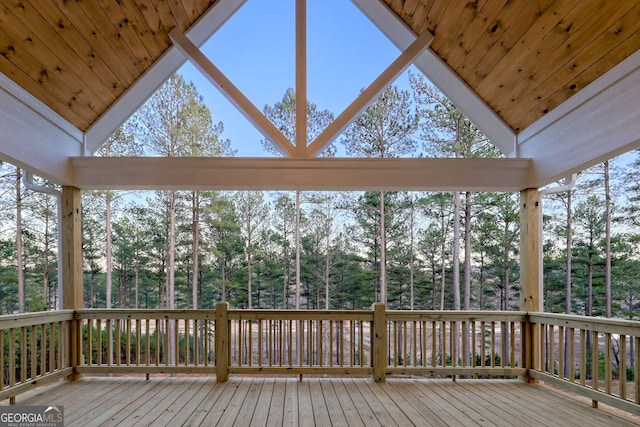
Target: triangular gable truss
{"x":599,"y":122}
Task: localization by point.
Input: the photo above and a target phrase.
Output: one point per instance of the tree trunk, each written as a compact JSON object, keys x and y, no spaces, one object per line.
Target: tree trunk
{"x":195,"y":215}
{"x":19,"y":259}
{"x":297,"y":250}
{"x":607,"y":192}
{"x":411,"y":257}
{"x":383,"y":252}
{"x":108,"y":249}
{"x":467,"y":250}
{"x":171,"y":276}
{"x":456,"y":250}
{"x":567,"y":293}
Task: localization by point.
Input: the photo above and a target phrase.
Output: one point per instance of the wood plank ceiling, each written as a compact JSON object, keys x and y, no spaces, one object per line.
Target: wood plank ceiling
{"x":523,"y":58}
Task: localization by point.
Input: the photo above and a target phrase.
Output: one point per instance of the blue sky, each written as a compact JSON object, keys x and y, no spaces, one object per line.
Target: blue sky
{"x":255,"y":49}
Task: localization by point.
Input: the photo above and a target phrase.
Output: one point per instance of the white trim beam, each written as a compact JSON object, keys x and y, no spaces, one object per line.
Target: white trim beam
{"x":370,"y":94}
{"x":313,"y":174}
{"x":34,"y":137}
{"x":159,"y":72}
{"x":231,"y":92}
{"x":596,"y":124}
{"x":301,"y":78}
{"x":454,"y":88}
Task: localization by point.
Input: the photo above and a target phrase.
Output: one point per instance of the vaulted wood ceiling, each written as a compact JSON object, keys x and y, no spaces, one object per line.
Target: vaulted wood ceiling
{"x":78,"y":57}
{"x":521,"y":60}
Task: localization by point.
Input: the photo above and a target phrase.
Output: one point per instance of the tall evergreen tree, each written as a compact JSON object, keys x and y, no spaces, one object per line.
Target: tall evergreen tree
{"x":385,"y":130}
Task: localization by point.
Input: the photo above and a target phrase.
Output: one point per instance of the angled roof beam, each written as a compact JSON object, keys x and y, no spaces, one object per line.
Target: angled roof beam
{"x":454,"y":88}
{"x":311,"y":174}
{"x":159,"y":72}
{"x":367,"y":96}
{"x":232,"y":93}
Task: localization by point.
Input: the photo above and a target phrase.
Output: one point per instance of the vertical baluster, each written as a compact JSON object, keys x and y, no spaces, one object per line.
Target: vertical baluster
{"x":636,"y":371}
{"x":622,"y":371}
{"x":594,"y":360}
{"x":583,"y":357}
{"x":493,"y":344}
{"x":341,"y":343}
{"x":454,"y":344}
{"x":259,"y":342}
{"x":137,"y":357}
{"x":572,"y":354}
{"x":109,"y":331}
{"x":12,"y":361}
{"x":361,"y":358}
{"x":473,"y":343}
{"x":291,"y":336}
{"x":128,"y":341}
{"x":158,"y":342}
{"x":281,"y":342}
{"x":561,"y":351}
{"x":331,"y":326}
{"x":87,"y":348}
{"x":405,"y":348}
{"x":443,"y":335}
{"x":205,"y":339}
{"x":434,"y":344}
{"x":504,"y":336}
{"x":607,"y":363}
{"x":552,"y":349}
{"x":270,"y":332}
{"x":43,"y":350}
{"x":118,"y":343}
{"x":465,"y":338}
{"x":147,"y":332}
{"x":394,"y":343}
{"x":250,"y":338}
{"x":424,"y":343}
{"x":63,"y":330}
{"x":23,"y":354}
{"x":414,"y":335}
{"x":512,"y":344}
{"x":483,"y":344}
{"x":196,"y":341}
{"x":34,"y":353}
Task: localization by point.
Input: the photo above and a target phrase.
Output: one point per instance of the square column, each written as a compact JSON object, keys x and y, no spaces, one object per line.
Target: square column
{"x":531,"y":274}
{"x":72,"y":270}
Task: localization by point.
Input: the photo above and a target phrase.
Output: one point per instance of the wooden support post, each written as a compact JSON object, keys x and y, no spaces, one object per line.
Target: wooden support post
{"x":222,"y":341}
{"x":531,"y":273}
{"x":379,"y":351}
{"x":72,"y":270}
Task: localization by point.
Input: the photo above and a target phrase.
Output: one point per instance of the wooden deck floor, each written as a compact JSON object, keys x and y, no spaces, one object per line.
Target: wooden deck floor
{"x":260,"y":401}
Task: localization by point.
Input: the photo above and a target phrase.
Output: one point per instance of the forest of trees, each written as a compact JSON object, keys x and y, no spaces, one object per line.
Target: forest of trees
{"x":325,"y":250}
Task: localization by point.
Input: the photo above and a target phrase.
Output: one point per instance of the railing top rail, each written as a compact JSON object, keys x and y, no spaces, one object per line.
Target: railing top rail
{"x":365,"y":315}
{"x":614,"y":326}
{"x":457,"y":315}
{"x":133,"y":313}
{"x":36,"y":318}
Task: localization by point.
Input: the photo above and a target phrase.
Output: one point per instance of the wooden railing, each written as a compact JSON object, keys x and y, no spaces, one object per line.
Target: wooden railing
{"x":34,"y":350}
{"x":367,"y":342}
{"x":470,"y":343}
{"x":596,"y":358}
{"x":146,"y":341}
{"x":593,"y":357}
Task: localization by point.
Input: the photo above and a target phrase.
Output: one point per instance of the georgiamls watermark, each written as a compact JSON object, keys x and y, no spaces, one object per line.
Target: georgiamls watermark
{"x":31,"y":416}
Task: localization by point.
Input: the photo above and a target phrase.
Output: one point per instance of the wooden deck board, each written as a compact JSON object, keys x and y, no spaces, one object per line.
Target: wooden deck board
{"x":261,"y":401}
